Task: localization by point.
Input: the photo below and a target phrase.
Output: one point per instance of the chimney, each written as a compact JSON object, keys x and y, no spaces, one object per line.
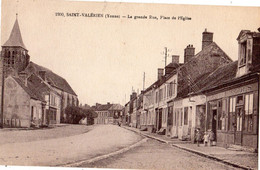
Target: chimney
{"x":189,"y":52}
{"x":23,"y":76}
{"x":133,"y":95}
{"x":42,"y":74}
{"x":160,"y":73}
{"x":175,"y":59}
{"x":108,"y":102}
{"x":207,"y":38}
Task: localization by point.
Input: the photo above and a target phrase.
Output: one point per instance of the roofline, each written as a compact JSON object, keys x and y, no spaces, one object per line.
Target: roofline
{"x":232,"y":82}
{"x":15,"y":47}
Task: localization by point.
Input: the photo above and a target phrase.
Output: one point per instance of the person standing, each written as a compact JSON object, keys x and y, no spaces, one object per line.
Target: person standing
{"x":211,"y":137}
{"x":198,"y":136}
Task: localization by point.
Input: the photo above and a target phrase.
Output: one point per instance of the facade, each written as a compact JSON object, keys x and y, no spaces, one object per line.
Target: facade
{"x":189,"y":112}
{"x":53,"y":93}
{"x":108,"y":113}
{"x":30,"y":102}
{"x":233,"y":104}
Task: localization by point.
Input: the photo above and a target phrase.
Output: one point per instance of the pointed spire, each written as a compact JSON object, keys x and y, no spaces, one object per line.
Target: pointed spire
{"x":15,"y":39}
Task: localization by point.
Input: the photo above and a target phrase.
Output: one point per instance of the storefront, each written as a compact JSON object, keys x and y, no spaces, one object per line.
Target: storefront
{"x":232,"y":113}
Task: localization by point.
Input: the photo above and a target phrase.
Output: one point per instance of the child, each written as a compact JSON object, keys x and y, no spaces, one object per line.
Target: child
{"x":198,"y":136}
{"x":206,"y":138}
{"x":211,"y":137}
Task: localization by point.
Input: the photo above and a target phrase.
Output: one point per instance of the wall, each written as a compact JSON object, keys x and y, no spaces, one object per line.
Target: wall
{"x":37,"y":111}
{"x":16,"y":104}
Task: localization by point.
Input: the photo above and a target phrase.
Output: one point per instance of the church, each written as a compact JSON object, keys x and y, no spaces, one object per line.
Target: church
{"x":32,"y":94}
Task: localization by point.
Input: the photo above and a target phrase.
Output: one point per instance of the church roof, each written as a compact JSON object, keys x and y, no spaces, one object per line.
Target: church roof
{"x":53,"y":79}
{"x":15,"y":39}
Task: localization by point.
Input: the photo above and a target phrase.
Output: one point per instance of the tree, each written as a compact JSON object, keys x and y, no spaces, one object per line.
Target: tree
{"x":74,"y":114}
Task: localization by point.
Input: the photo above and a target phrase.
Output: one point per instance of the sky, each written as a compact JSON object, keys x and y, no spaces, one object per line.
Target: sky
{"x":103,"y":59}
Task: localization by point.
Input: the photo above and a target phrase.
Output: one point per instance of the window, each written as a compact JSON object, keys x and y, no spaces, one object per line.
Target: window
{"x":170,"y":116}
{"x":174,"y":118}
{"x":165,"y":92}
{"x":243,"y":50}
{"x":231,"y":115}
{"x":248,"y":113}
{"x":185,"y":115}
{"x":160,"y":94}
{"x":239,"y":119}
{"x":180,"y":116}
{"x":8,"y":58}
{"x":174,"y":85}
{"x":156,"y":97}
{"x":240,"y":100}
{"x":220,"y":116}
{"x":224,"y":114}
{"x":13,"y":57}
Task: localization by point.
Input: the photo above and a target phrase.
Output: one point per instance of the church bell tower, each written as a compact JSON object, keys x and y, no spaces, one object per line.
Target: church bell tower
{"x":14,"y":53}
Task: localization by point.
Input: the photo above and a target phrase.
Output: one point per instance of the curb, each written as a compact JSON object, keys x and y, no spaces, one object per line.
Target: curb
{"x":193,"y":151}
{"x":78,"y":163}
{"x":211,"y":157}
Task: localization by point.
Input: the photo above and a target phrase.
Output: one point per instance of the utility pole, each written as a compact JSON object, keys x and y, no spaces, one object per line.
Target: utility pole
{"x":166,"y":54}
{"x":2,"y":93}
{"x":144,"y":81}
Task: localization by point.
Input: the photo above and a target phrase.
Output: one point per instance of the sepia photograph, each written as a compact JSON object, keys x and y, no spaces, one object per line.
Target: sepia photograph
{"x":129,"y":85}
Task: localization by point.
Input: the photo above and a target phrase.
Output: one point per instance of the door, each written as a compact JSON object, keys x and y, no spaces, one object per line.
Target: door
{"x":214,"y":122}
{"x":238,"y":126}
{"x":156,"y":118}
{"x":160,"y":119}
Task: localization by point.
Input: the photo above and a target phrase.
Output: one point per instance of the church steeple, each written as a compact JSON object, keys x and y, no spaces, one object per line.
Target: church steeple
{"x":14,"y":53}
{"x":15,"y":39}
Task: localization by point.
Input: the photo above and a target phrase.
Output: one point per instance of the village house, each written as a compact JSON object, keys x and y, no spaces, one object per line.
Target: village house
{"x":39,"y":96}
{"x":233,"y":101}
{"x":168,"y":107}
{"x":107,"y":113}
{"x":126,"y":115}
{"x":189,"y":112}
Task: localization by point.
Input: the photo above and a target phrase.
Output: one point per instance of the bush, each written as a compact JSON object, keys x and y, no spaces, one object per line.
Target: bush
{"x":74,"y":114}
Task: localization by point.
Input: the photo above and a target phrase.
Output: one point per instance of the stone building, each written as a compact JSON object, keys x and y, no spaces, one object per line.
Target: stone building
{"x":233,"y":97}
{"x":39,"y":96}
{"x":108,"y":113}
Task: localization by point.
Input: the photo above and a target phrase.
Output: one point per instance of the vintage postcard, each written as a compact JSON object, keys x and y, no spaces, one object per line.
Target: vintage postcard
{"x":129,"y":85}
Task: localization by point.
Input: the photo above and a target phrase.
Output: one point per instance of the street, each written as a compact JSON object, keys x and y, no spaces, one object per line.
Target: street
{"x":62,"y":145}
{"x":157,"y":155}
{"x":75,"y":145}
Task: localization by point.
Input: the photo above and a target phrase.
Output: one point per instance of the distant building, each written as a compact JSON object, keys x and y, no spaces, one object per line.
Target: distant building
{"x":108,"y":113}
{"x":33,"y":95}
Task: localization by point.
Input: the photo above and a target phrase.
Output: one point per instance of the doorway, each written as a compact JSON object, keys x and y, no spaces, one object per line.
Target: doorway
{"x":238,"y":126}
{"x":214,"y":123}
{"x":160,"y":119}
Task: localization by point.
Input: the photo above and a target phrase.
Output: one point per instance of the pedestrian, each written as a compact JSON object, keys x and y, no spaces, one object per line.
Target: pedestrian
{"x":211,"y":137}
{"x":206,"y":138}
{"x":198,"y":136}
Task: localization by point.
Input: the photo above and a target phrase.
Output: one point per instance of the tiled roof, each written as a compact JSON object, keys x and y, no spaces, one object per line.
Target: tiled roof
{"x":199,"y":67}
{"x":230,"y":77}
{"x":15,"y":38}
{"x":30,"y":89}
{"x":54,"y":79}
{"x":219,"y":76}
{"x":116,"y":107}
{"x":103,"y":107}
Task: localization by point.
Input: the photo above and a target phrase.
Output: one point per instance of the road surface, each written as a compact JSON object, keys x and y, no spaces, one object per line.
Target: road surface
{"x":156,"y":155}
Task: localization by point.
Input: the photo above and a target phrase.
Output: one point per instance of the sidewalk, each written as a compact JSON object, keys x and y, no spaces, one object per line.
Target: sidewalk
{"x":240,"y":159}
